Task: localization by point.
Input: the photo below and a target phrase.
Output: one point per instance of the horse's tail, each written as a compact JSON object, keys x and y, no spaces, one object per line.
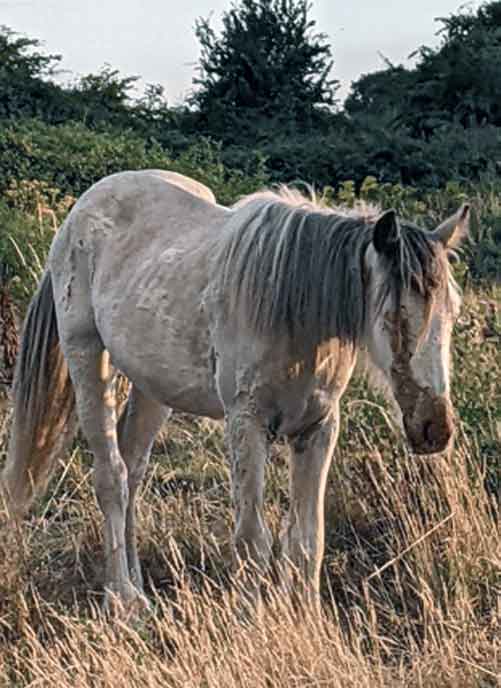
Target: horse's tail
{"x":44,"y":403}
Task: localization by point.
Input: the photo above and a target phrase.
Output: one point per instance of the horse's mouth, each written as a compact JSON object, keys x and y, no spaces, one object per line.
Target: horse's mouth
{"x":427,"y":450}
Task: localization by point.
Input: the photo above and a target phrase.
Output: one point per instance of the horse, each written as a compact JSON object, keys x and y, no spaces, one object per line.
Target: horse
{"x":253,"y":314}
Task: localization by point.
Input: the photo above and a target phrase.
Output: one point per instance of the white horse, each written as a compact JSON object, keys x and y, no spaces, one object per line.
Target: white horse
{"x":254,"y":314}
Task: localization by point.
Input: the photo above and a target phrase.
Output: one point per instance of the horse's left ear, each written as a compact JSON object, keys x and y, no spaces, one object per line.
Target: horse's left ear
{"x":386,"y":233}
{"x":453,"y":230}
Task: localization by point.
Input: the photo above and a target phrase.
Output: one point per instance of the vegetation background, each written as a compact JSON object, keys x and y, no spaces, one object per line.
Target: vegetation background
{"x":413,"y":565}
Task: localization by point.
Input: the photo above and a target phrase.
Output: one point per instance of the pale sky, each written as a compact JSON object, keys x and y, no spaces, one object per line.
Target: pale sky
{"x":155,"y":39}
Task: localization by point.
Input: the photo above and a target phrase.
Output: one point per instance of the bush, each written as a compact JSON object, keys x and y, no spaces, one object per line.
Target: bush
{"x":71,"y":157}
{"x":24,"y":243}
{"x":43,"y":168}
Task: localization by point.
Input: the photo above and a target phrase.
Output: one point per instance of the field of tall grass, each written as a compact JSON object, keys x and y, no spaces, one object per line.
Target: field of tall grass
{"x":411,"y":579}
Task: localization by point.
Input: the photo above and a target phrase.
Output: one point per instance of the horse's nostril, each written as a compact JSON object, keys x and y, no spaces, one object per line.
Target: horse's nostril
{"x":428,"y":432}
{"x":429,"y":436}
{"x":437,"y":435}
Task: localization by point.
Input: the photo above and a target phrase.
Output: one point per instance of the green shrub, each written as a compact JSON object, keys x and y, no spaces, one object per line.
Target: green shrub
{"x":24,"y":243}
{"x":71,"y":157}
{"x":43,"y":168}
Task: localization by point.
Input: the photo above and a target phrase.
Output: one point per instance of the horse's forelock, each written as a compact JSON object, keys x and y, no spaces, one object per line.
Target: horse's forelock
{"x":419,"y":265}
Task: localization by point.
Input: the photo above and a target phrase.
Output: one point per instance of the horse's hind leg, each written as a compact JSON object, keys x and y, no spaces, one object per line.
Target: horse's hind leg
{"x":93,"y":379}
{"x":141,"y":419}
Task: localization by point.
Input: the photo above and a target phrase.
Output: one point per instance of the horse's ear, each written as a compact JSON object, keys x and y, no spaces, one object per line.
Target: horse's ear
{"x":453,"y":230}
{"x":386,"y":233}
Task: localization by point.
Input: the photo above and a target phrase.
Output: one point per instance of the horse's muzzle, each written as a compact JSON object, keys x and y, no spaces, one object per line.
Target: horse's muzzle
{"x":430,"y":428}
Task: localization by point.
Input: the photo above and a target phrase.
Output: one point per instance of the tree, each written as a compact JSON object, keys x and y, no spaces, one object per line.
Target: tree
{"x":267,"y":70}
{"x":459,"y":81}
{"x":101,"y":100}
{"x":456,"y":83}
{"x":380,"y":95}
{"x":24,"y":90}
{"x":27,"y":88}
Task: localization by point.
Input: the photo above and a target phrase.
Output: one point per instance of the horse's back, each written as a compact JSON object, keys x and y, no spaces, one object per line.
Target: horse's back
{"x":136,"y":215}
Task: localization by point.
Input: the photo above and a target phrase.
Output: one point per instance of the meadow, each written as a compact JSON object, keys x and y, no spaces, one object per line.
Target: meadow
{"x":412,"y":573}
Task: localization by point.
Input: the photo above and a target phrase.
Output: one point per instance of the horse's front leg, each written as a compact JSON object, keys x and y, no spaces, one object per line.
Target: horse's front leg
{"x":248,"y":446}
{"x":303,"y":540}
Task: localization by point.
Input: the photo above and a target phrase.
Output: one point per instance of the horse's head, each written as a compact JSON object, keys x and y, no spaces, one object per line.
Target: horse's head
{"x":414,"y":303}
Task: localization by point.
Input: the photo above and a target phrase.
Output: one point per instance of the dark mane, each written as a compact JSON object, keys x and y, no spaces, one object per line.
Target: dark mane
{"x":292,"y":266}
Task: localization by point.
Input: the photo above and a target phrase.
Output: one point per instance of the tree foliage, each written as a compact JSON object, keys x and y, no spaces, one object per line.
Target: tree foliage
{"x":459,"y":80}
{"x":267,"y":69}
{"x":101,"y":100}
{"x":456,"y":82}
{"x":24,"y":88}
{"x":265,"y":96}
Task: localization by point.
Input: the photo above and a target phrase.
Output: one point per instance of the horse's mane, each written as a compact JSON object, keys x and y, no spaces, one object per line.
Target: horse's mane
{"x":290,"y":264}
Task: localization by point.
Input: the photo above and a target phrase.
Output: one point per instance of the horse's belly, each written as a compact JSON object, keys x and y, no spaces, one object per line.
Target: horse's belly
{"x":187,"y":393}
{"x":166,"y":352}
{"x":175,"y":381}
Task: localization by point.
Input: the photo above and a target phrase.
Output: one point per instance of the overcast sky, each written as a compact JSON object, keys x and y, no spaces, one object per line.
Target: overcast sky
{"x":155,"y":38}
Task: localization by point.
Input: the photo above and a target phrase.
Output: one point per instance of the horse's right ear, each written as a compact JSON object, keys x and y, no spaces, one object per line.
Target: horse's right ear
{"x":386,"y":233}
{"x":453,"y":230}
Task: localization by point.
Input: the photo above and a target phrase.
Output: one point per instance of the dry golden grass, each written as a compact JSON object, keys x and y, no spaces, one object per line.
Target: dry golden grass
{"x":412,"y":573}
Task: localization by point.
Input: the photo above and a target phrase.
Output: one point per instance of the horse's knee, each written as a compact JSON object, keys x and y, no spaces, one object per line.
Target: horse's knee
{"x":110,"y":484}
